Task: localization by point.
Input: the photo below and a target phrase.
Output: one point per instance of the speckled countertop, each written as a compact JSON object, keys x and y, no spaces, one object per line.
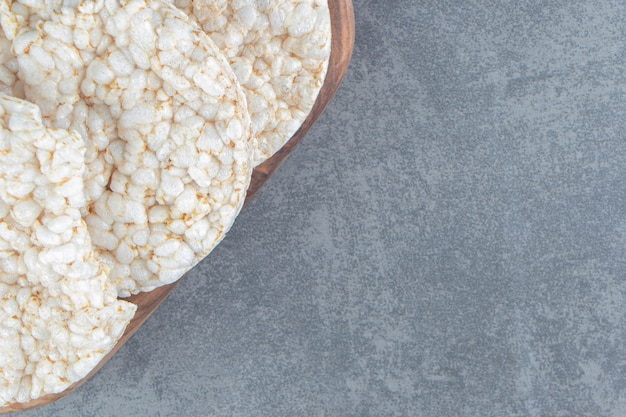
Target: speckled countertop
{"x":449,"y":240}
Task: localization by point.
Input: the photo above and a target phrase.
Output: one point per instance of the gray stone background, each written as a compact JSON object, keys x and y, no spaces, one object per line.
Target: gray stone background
{"x":449,"y":240}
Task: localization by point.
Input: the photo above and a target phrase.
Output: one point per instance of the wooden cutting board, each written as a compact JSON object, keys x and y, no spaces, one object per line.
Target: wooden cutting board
{"x":342,"y":22}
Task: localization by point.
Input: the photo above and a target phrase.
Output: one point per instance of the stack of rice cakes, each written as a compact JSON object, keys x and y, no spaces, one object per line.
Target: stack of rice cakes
{"x":129,"y":131}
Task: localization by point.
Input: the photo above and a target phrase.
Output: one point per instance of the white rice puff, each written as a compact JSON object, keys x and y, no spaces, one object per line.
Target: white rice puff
{"x":279,"y":50}
{"x":58,"y":315}
{"x":165,"y":124}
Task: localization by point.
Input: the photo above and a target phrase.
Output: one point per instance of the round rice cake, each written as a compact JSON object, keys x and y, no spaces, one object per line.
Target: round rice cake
{"x":166,"y":127}
{"x":279,"y":50}
{"x":59,"y":316}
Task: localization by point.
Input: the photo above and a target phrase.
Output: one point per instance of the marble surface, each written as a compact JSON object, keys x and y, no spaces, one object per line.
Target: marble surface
{"x":449,"y":240}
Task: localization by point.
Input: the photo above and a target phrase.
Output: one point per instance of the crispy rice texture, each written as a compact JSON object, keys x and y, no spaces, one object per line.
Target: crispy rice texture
{"x":59,"y":316}
{"x":279,"y":50}
{"x":165,"y":122}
